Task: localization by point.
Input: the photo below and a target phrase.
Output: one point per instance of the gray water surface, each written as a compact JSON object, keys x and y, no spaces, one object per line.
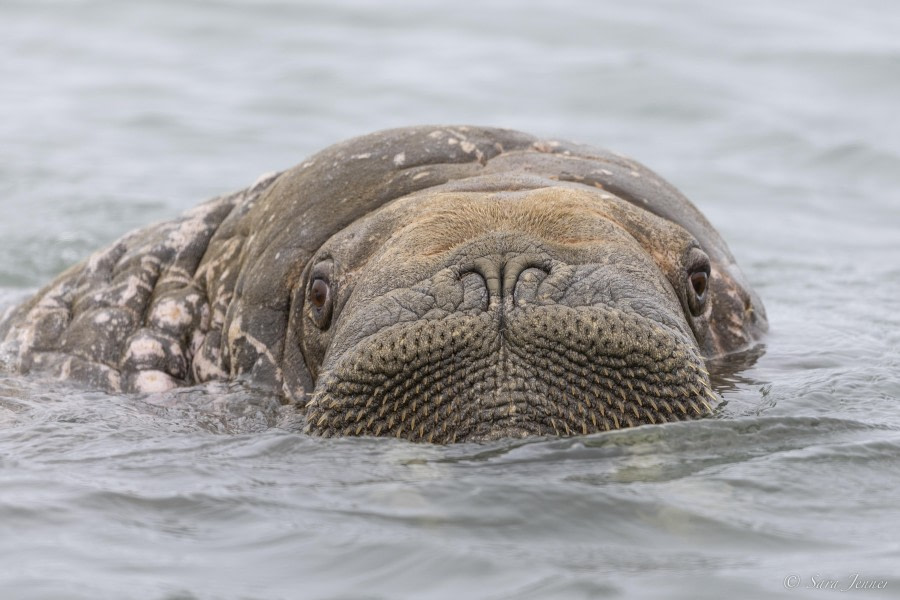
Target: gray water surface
{"x":780,"y":120}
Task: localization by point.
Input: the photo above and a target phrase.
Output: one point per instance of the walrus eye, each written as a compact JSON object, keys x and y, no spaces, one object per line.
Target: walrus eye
{"x":319,"y":297}
{"x":698,"y":285}
{"x":698,"y":282}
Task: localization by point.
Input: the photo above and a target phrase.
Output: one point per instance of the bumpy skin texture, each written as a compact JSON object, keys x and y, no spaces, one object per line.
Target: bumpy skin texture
{"x":432,"y":283}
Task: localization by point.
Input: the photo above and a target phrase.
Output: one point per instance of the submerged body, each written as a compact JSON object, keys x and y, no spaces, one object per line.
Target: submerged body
{"x":433,"y":283}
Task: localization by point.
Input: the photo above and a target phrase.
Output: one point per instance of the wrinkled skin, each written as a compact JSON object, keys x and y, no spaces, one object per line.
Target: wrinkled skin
{"x":434,"y":284}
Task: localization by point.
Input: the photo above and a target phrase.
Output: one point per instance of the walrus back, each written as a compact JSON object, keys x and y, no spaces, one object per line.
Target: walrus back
{"x":142,"y":313}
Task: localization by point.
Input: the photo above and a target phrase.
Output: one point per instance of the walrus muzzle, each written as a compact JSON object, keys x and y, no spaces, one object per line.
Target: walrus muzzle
{"x":524,"y":345}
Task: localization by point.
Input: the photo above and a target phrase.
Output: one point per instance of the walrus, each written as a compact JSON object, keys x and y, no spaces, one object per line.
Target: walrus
{"x":438,"y":284}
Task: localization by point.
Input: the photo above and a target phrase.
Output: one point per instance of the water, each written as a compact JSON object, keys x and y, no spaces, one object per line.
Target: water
{"x":778,"y":119}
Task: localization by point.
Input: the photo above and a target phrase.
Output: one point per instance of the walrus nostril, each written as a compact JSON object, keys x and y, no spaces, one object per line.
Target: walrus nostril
{"x":490,"y":268}
{"x":516,"y":278}
{"x":527,"y":285}
{"x":517,"y":266}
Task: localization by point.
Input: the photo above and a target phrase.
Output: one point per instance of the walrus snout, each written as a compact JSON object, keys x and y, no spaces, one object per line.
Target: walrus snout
{"x":540,"y":370}
{"x":512,"y":336}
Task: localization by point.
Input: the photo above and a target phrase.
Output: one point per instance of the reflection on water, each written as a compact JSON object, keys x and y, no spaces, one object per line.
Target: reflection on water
{"x":777,"y":119}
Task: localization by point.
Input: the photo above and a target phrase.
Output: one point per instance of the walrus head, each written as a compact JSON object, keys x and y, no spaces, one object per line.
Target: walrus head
{"x":509,"y":306}
{"x":431,"y":283}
